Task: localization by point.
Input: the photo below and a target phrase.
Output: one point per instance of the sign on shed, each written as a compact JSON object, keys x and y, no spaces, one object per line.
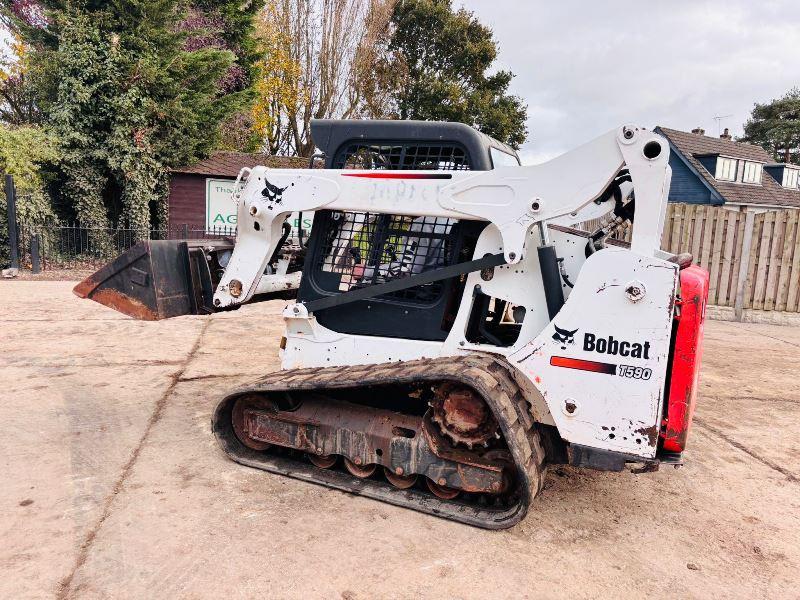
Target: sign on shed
{"x":220,"y":205}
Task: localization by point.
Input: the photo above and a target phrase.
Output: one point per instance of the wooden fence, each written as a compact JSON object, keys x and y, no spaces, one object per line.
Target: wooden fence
{"x":753,"y":259}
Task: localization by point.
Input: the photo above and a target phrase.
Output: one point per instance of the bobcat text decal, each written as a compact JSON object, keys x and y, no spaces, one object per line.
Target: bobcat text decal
{"x":592,"y":343}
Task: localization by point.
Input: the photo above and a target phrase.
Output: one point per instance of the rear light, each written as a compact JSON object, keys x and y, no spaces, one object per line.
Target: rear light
{"x":686,"y":356}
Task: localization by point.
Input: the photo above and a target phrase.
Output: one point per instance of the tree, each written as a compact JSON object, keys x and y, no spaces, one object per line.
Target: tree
{"x":776,"y":127}
{"x":229,"y":25}
{"x":23,"y":151}
{"x":17,"y":99}
{"x":319,"y":59}
{"x":447,"y":55}
{"x":378,"y":71}
{"x":132,"y":87}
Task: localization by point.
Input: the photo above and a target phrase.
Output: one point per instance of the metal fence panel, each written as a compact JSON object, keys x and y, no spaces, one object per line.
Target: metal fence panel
{"x":71,"y":246}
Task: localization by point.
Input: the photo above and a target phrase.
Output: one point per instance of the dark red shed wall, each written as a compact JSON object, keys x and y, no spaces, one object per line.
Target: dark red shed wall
{"x":187,"y":200}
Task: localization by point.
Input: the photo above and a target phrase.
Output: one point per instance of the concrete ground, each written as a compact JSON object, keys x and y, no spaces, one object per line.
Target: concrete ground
{"x":112,"y":486}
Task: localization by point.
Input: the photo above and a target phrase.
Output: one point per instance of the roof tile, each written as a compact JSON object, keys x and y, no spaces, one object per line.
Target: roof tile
{"x":228,"y":164}
{"x":769,"y":193}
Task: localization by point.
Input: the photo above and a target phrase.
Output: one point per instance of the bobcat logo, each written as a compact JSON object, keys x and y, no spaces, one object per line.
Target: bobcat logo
{"x":273,"y":193}
{"x":564,"y":336}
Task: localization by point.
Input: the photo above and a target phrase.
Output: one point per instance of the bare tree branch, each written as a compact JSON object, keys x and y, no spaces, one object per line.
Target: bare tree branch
{"x":323,"y":59}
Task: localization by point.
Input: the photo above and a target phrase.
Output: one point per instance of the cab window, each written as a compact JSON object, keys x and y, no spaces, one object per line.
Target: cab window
{"x":503,"y":159}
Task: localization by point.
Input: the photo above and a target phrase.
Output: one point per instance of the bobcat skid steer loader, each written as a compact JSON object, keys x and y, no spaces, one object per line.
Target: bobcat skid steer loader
{"x":453,"y":334}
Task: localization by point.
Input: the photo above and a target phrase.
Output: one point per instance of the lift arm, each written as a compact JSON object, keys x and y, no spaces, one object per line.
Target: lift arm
{"x":512,"y":198}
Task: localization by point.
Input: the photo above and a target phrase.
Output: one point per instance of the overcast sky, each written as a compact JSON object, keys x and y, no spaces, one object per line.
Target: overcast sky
{"x":584,"y":67}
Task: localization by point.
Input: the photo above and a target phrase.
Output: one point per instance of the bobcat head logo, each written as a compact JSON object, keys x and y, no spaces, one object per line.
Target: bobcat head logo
{"x":273,"y":193}
{"x":564,"y":336}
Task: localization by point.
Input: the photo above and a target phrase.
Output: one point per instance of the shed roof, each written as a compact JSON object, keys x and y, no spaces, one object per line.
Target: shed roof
{"x":228,"y":164}
{"x":769,"y":193}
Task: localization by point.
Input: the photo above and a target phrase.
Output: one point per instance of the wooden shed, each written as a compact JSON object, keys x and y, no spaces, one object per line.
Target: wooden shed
{"x":199,"y":195}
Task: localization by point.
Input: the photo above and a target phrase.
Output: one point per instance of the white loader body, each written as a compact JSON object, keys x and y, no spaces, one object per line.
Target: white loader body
{"x":598,"y":369}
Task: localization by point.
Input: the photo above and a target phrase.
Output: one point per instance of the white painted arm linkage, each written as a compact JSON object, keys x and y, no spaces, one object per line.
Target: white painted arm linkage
{"x":512,"y":198}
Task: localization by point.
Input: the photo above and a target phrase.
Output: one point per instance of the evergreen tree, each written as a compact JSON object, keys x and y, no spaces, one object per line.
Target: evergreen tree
{"x":447,"y":55}
{"x":130,"y":92}
{"x":776,"y":127}
{"x":230,"y":25}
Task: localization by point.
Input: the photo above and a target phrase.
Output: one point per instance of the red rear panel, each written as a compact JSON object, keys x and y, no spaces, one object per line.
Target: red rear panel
{"x":686,"y":358}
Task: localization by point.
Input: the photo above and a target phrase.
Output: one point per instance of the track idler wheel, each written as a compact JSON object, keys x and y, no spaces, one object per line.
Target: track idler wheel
{"x":441,"y":491}
{"x":240,"y":426}
{"x":325,"y":461}
{"x":399,"y":480}
{"x":360,"y":471}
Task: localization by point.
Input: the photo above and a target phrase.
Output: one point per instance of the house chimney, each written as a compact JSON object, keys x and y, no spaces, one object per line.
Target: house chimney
{"x":699,"y":131}
{"x":725,"y":135}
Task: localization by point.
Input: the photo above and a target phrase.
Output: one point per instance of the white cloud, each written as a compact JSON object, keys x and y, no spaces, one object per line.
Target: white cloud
{"x":586,"y":67}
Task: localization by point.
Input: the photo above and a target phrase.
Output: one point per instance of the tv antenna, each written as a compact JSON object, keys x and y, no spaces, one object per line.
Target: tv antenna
{"x":718,"y":119}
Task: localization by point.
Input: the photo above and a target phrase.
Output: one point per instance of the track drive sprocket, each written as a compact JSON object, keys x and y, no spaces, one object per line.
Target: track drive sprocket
{"x":463,"y":416}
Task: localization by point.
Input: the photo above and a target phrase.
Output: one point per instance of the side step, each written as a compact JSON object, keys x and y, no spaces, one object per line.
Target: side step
{"x":488,"y":376}
{"x":159,"y":279}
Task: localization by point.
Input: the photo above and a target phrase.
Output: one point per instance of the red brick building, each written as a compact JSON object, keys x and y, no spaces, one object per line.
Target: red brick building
{"x":197,"y":192}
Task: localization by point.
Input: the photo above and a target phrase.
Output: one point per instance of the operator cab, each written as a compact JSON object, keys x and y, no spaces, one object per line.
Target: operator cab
{"x":349,"y":250}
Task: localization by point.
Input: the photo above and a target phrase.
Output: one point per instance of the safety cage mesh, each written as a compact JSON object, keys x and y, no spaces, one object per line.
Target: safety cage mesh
{"x":371,"y":248}
{"x":432,"y":157}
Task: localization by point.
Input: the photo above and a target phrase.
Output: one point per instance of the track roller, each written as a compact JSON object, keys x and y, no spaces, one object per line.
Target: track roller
{"x":441,"y":491}
{"x":399,"y":480}
{"x":362,"y":472}
{"x":324,"y":461}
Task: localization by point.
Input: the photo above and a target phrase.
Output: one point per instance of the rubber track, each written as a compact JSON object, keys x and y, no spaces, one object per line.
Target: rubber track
{"x":490,"y":376}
